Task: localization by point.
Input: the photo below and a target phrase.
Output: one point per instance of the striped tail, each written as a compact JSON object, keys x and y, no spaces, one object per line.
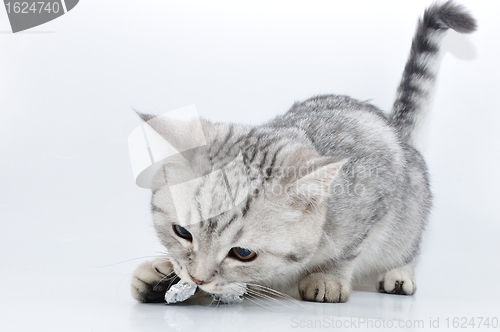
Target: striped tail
{"x":420,"y":71}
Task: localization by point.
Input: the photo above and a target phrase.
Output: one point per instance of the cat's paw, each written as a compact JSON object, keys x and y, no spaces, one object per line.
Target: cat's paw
{"x":151,"y":279}
{"x":397,"y":281}
{"x":322,"y":287}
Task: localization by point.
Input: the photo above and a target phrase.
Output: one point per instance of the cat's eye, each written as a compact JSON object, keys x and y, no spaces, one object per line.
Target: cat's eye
{"x":242,"y":254}
{"x":182,"y":232}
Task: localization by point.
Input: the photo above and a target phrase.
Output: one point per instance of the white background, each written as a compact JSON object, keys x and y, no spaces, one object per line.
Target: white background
{"x":71,"y":214}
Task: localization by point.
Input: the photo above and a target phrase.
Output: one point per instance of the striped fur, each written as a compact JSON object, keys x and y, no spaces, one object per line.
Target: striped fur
{"x":420,"y":71}
{"x":356,"y":198}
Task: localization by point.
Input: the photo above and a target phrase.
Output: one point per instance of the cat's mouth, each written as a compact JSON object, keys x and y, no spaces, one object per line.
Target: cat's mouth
{"x":212,"y":289}
{"x":218,"y":289}
{"x":215,"y":287}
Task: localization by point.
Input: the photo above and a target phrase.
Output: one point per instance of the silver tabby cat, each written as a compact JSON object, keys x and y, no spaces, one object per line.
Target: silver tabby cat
{"x":358,"y":206}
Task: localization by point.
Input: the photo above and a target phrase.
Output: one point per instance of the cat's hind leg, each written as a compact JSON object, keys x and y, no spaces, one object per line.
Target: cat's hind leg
{"x":399,"y":281}
{"x":151,"y":280}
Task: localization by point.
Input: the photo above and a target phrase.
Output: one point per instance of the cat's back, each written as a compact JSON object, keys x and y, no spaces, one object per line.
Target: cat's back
{"x":330,"y":102}
{"x":342,"y":126}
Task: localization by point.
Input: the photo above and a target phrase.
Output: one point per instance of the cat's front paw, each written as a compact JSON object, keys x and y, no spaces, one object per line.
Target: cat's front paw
{"x":151,"y":279}
{"x":322,"y":287}
{"x":397,"y":281}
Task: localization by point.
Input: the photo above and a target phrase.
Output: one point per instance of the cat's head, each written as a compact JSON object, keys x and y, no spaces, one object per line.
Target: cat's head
{"x":249,"y":207}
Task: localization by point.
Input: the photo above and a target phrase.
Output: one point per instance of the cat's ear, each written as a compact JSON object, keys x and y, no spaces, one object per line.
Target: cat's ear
{"x":311,"y":190}
{"x":145,"y":116}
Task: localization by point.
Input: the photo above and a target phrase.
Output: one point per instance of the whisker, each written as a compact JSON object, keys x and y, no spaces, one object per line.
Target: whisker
{"x":263,"y":296}
{"x":121,"y":280}
{"x":249,"y":299}
{"x":273,"y":302}
{"x":273,"y":291}
{"x":164,"y":254}
{"x":269,"y":293}
{"x":211,"y":302}
{"x":171,"y":281}
{"x":263,"y":303}
{"x":268,"y":289}
{"x":261,"y":293}
{"x":167,"y":277}
{"x":125,"y":261}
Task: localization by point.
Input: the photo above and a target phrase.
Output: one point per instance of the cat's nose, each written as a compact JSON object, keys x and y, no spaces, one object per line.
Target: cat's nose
{"x":198,"y":282}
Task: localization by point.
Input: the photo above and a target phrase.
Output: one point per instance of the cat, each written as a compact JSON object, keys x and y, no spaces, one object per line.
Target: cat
{"x":359,"y":206}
